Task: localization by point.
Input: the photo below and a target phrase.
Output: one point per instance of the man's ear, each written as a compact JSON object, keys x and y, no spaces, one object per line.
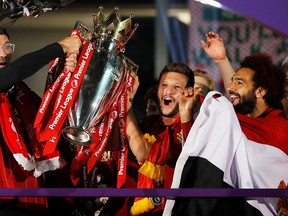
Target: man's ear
{"x":260,"y":92}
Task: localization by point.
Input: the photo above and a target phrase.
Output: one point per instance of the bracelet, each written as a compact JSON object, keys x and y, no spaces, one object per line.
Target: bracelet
{"x":217,"y":61}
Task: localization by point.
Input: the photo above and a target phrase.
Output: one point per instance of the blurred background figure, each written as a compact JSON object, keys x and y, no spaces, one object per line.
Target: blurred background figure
{"x":203,"y":81}
{"x":206,"y":83}
{"x":151,"y":101}
{"x":285,"y":99}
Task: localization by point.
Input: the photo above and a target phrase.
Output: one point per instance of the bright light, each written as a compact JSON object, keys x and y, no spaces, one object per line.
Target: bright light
{"x":184,"y":18}
{"x":183,"y":15}
{"x":210,"y":2}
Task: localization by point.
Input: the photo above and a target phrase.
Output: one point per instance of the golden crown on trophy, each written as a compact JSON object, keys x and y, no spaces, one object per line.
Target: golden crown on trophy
{"x":122,"y":31}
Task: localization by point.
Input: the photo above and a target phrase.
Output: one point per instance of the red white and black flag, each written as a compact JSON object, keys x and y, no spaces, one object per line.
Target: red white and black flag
{"x":217,"y":154}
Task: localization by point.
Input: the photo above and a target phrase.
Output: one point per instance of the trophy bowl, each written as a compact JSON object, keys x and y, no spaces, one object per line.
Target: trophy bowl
{"x":77,"y":136}
{"x":104,"y":75}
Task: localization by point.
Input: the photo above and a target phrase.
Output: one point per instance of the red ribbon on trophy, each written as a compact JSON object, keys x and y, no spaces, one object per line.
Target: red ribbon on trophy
{"x":49,"y":125}
{"x":91,"y":154}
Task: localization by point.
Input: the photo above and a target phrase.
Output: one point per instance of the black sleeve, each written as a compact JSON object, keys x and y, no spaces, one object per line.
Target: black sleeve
{"x":28,"y":64}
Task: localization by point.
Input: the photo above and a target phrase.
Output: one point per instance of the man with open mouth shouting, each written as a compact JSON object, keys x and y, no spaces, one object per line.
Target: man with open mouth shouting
{"x":157,"y":141}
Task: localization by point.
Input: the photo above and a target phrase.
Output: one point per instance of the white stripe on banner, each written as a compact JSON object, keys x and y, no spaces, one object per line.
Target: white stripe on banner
{"x":216,"y":136}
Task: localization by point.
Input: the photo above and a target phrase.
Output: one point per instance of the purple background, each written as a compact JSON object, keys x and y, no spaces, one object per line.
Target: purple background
{"x":272,"y":13}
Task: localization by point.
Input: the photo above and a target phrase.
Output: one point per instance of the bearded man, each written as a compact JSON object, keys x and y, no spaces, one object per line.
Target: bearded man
{"x":157,"y":141}
{"x":19,"y":105}
{"x":241,"y":143}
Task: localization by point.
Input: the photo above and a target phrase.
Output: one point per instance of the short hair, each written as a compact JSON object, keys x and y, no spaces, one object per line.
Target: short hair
{"x":268,"y":76}
{"x":4,"y":31}
{"x":179,"y":68}
{"x":210,"y":81}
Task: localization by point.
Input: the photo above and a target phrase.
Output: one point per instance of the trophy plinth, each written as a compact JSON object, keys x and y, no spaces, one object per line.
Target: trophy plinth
{"x":77,"y":136}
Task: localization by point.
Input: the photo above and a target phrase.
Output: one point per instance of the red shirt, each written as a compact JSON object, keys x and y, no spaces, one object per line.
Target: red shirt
{"x":165,"y":150}
{"x":270,"y":128}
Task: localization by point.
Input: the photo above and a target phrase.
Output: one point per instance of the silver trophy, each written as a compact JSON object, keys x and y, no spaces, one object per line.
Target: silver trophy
{"x":103,"y":76}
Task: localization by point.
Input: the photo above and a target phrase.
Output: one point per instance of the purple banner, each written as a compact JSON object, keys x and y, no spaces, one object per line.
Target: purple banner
{"x":129,"y":192}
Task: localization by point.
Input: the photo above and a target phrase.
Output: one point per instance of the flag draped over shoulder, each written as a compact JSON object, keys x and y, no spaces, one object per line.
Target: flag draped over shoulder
{"x":217,"y":154}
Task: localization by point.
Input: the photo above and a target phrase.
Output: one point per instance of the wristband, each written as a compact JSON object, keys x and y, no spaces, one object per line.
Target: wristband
{"x":221,"y":60}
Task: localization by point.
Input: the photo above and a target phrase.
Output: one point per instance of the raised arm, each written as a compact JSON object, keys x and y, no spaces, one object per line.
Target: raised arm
{"x":30,"y":63}
{"x":139,"y":146}
{"x":215,"y":49}
{"x":187,"y":102}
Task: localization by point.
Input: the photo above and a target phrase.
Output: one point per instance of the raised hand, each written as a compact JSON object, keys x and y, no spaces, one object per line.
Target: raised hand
{"x":187,"y":101}
{"x":214,"y":47}
{"x":132,"y":91}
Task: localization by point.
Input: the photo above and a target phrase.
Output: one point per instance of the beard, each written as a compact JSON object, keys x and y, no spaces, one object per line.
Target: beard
{"x":172,"y":113}
{"x":247,"y":104}
{"x":8,"y":59}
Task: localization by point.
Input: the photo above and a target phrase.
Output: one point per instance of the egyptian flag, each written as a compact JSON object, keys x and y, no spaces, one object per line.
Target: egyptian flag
{"x":217,"y":154}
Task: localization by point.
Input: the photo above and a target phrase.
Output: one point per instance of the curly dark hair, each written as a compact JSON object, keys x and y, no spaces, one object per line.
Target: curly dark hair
{"x":179,"y":68}
{"x":268,"y":76}
{"x":3,"y":31}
